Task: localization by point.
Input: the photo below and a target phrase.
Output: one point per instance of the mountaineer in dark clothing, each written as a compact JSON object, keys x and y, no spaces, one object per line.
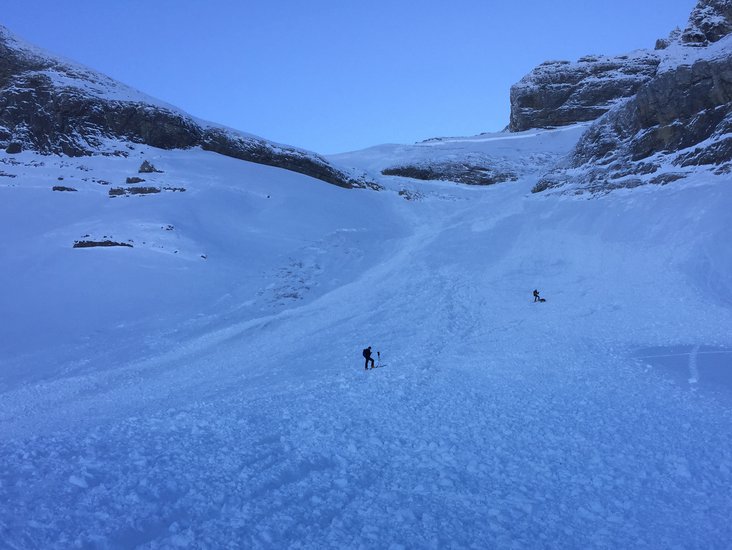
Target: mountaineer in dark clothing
{"x":367,"y":356}
{"x":536,"y":295}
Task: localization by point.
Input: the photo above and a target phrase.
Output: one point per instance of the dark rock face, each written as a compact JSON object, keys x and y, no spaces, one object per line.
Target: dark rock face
{"x":678,"y":109}
{"x":683,"y":117}
{"x":262,"y":152}
{"x":51,"y":119}
{"x":130,"y":191}
{"x":148,"y":168}
{"x":104,"y":243}
{"x":558,"y":93}
{"x":674,"y":37}
{"x":710,"y":21}
{"x":452,"y":171}
{"x":53,"y":107}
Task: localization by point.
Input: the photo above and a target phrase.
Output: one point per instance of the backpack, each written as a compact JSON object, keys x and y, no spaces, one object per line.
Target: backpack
{"x":366,"y":353}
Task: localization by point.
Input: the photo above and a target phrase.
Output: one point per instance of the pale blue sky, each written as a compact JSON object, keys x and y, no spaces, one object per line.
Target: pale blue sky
{"x":336,"y":75}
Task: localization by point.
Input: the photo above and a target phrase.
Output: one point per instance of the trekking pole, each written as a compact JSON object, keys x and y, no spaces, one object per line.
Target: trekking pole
{"x":378,"y":354}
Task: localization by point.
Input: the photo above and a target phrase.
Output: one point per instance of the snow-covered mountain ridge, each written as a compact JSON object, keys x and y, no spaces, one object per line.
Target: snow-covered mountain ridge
{"x":558,"y":93}
{"x":649,"y":117}
{"x":52,"y":105}
{"x":678,"y":123}
{"x":658,"y":114}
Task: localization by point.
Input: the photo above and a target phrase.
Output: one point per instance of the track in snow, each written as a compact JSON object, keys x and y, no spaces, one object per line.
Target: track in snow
{"x":499,"y":422}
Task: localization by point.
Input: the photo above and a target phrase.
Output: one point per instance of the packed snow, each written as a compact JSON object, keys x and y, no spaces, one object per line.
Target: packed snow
{"x":204,"y":388}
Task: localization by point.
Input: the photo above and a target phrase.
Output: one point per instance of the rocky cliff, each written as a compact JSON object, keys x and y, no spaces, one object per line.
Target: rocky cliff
{"x":559,"y":93}
{"x":710,"y":21}
{"x":678,"y":118}
{"x":54,"y":106}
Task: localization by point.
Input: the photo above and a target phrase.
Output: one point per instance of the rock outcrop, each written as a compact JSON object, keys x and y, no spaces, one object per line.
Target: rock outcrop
{"x":148,"y":167}
{"x":460,"y":172}
{"x":710,"y":21}
{"x":104,"y":243}
{"x":679,"y":117}
{"x":559,"y":93}
{"x":55,"y":107}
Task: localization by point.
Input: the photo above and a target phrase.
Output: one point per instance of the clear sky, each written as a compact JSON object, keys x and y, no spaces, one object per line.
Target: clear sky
{"x":338,"y":75}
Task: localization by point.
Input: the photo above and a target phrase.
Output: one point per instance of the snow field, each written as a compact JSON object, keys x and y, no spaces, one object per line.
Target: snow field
{"x":248,"y":420}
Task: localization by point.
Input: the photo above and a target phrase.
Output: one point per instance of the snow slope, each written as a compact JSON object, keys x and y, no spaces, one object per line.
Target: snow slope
{"x":252,"y":223}
{"x":524,"y":153}
{"x":156,"y":399}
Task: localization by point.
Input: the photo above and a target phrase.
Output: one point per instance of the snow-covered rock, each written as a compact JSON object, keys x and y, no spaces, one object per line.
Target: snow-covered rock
{"x":678,"y":119}
{"x":710,"y":21}
{"x":560,"y":93}
{"x":51,"y":105}
{"x":464,"y":171}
